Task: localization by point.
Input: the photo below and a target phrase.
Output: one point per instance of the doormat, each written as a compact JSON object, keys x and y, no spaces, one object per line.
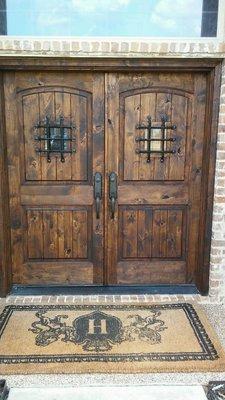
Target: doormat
{"x":107,"y":339}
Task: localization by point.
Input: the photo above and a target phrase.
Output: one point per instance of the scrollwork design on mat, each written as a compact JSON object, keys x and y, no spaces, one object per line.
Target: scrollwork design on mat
{"x":50,"y":330}
{"x":146,"y":329}
{"x":97,"y":331}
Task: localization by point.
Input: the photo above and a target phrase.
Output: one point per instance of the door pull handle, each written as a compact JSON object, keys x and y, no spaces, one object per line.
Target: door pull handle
{"x":112,"y":192}
{"x":97,"y":193}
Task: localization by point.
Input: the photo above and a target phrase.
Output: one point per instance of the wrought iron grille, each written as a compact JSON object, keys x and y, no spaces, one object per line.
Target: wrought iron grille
{"x":57,"y":138}
{"x":150,"y":139}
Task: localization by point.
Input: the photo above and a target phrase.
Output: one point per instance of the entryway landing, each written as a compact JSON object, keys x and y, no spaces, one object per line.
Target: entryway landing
{"x":214,"y":312}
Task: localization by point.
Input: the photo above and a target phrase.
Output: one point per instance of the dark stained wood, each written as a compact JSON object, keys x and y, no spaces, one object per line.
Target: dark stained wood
{"x":131,"y":115}
{"x":180,"y":117}
{"x":80,"y":234}
{"x":162,"y":194}
{"x":68,"y":194}
{"x":14,"y":175}
{"x":195,"y":163}
{"x":162,"y":108}
{"x":111,"y":164}
{"x":136,"y":108}
{"x":79,"y":160}
{"x":63,"y":107}
{"x":148,"y":102}
{"x":35,"y":239}
{"x":98,"y":137}
{"x":144,"y":248}
{"x":107,"y":64}
{"x":65,"y":233}
{"x":74,"y":105}
{"x":46,"y":108}
{"x":159,"y":234}
{"x":52,"y":205}
{"x":169,"y":191}
{"x":150,"y":232}
{"x":50,"y":234}
{"x":5,"y":243}
{"x":51,"y":273}
{"x":175,"y":227}
{"x":130,"y":234}
{"x":30,"y":106}
{"x":61,"y":198}
{"x":57,"y":233}
{"x":208,"y":171}
{"x":172,"y":272}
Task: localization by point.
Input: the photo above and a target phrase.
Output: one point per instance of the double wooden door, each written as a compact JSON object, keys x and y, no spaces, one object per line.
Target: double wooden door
{"x":105,"y":176}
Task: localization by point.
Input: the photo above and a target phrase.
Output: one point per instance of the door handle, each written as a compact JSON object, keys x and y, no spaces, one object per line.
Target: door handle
{"x":112,"y":192}
{"x":97,"y":193}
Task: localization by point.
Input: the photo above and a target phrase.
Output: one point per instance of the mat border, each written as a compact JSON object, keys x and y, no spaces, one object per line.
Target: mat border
{"x":208,"y":353}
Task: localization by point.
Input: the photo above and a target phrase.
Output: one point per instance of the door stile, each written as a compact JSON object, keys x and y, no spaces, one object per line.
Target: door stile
{"x":14,"y":173}
{"x":195,"y":178}
{"x":98,"y":166}
{"x":210,"y":141}
{"x":112,"y":157}
{"x":5,"y":242}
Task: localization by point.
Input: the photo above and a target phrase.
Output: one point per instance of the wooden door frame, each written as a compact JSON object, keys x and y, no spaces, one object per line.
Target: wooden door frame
{"x":213,"y":69}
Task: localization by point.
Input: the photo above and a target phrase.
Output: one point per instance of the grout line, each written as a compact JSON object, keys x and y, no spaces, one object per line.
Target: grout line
{"x":112,"y":299}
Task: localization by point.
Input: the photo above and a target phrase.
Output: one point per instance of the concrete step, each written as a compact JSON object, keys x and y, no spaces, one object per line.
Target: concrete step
{"x":172,"y":392}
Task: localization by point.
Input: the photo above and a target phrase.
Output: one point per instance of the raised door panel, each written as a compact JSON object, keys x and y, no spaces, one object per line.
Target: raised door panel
{"x":152,"y":232}
{"x":136,"y":109}
{"x":151,"y":239}
{"x":58,"y":234}
{"x":75,"y":108}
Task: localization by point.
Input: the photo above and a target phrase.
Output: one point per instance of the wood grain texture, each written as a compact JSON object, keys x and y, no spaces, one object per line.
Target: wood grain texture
{"x":110,"y":64}
{"x":57,"y":233}
{"x":212,"y":111}
{"x":135,"y":110}
{"x":160,"y":74}
{"x":148,"y":232}
{"x":112,"y":164}
{"x":153,"y":194}
{"x":60,"y":194}
{"x":14,"y":144}
{"x":54,"y":103}
{"x":169,"y":190}
{"x":99,"y":166}
{"x":52,"y":203}
{"x":195,"y":163}
{"x":70,"y":273}
{"x":5,"y":239}
{"x":158,"y":272}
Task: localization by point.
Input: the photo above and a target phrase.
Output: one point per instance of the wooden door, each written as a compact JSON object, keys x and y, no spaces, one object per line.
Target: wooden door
{"x":154,"y":237}
{"x":55,"y":235}
{"x":149,"y":130}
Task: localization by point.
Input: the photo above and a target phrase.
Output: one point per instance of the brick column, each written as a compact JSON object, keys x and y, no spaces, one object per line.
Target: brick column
{"x":217,"y":272}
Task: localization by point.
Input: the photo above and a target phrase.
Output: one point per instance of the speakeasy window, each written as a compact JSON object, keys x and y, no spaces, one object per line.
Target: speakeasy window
{"x":128,"y":18}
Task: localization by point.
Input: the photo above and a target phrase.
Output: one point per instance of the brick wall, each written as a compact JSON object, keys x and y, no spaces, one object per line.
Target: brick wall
{"x":116,"y":48}
{"x":217,"y":273}
{"x":154,"y":48}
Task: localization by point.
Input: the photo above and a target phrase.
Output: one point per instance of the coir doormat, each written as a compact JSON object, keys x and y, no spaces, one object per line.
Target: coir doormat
{"x":107,"y":338}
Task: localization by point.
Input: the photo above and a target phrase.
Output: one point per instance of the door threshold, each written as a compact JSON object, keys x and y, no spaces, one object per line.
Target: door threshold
{"x":35,"y":290}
